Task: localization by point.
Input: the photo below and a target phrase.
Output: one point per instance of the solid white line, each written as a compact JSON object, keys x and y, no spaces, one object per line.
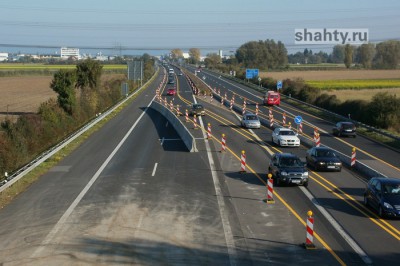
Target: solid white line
{"x":230,"y":243}
{"x":154,"y":170}
{"x":50,"y":236}
{"x":338,"y":227}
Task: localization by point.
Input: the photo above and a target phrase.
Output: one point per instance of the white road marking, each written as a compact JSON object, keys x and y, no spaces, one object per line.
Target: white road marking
{"x":338,"y":227}
{"x":154,"y":169}
{"x":230,"y":243}
{"x":50,"y":236}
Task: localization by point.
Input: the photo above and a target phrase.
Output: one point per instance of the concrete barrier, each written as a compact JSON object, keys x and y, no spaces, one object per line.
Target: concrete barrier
{"x":182,"y":131}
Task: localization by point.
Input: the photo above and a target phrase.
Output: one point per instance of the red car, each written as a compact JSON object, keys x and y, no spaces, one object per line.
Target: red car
{"x":171,"y":91}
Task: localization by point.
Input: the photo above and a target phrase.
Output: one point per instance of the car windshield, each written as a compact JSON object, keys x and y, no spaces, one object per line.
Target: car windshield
{"x":347,"y":126}
{"x":252,"y":117}
{"x":291,"y":162}
{"x":325,"y":153}
{"x":391,"y":189}
{"x":198,"y":107}
{"x":286,"y":133}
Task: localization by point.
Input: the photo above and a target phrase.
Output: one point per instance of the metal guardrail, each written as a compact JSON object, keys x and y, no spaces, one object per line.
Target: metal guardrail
{"x":14,"y":177}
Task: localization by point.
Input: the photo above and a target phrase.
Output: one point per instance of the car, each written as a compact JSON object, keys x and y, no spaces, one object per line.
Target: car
{"x":250,"y":120}
{"x":171,"y":91}
{"x":383,"y":195}
{"x":344,"y":129}
{"x":197,"y":109}
{"x":285,"y":137}
{"x":322,"y":158}
{"x":180,"y":74}
{"x":287,"y":168}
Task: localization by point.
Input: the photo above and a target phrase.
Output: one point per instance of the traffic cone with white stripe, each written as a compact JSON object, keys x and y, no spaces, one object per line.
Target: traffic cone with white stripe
{"x":194,"y":122}
{"x":284,"y":118}
{"x":187,"y":115}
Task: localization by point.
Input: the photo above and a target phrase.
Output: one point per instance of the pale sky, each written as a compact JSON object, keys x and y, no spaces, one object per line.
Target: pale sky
{"x":160,"y":25}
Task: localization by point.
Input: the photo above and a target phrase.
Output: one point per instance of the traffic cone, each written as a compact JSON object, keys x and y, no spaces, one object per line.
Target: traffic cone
{"x":187,"y":115}
{"x":194,"y":122}
{"x":209,"y":131}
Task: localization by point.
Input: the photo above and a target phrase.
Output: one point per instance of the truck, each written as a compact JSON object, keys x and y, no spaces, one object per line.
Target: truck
{"x":272,"y":98}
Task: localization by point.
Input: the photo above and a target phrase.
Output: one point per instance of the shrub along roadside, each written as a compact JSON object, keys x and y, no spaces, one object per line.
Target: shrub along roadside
{"x":21,"y":185}
{"x":80,"y":98}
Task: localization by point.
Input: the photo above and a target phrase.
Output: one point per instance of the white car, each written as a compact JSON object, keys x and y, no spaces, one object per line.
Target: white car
{"x":250,"y":121}
{"x":285,"y":137}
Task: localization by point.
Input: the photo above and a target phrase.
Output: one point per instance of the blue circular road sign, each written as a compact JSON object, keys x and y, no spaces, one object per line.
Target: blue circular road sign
{"x":298,"y":119}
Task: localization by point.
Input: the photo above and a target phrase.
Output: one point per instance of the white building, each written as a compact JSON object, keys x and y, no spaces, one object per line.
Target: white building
{"x":69,"y":52}
{"x":3,"y":56}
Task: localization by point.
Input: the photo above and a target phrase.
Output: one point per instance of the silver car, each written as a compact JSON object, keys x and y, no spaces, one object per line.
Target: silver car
{"x":250,"y":121}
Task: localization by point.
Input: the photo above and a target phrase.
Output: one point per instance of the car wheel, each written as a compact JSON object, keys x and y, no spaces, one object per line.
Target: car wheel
{"x":366,"y":203}
{"x":305,"y":184}
{"x":279,"y":142}
{"x":338,"y":134}
{"x":354,"y":136}
{"x":380,"y":212}
{"x":277,"y":182}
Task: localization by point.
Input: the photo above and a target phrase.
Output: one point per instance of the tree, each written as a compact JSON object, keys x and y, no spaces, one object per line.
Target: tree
{"x":194,"y":55}
{"x":365,"y":54}
{"x":176,"y":54}
{"x":385,"y":109}
{"x":63,"y":83}
{"x":348,"y":55}
{"x":88,"y":73}
{"x":262,"y":54}
{"x":212,"y":60}
{"x":337,"y":55}
{"x":387,"y":54}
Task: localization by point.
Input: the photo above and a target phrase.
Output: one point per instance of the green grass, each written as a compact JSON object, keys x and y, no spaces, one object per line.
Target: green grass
{"x":354,"y":84}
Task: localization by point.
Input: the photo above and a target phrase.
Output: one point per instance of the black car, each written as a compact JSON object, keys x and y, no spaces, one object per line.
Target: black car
{"x":322,"y":158}
{"x":383,"y":195}
{"x":344,"y":129}
{"x":287,"y":168}
{"x":197,"y":109}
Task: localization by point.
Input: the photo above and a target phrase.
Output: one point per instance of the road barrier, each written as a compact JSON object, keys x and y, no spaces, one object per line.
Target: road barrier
{"x":187,"y":115}
{"x":310,"y":231}
{"x":284,"y":118}
{"x":209,"y":136}
{"x":223,"y":143}
{"x":182,"y":131}
{"x":256,"y":108}
{"x":243,"y":163}
{"x":353,"y":157}
{"x":194,"y":122}
{"x":270,"y":189}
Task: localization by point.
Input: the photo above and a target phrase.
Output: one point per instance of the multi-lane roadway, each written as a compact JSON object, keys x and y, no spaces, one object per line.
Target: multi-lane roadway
{"x":134,"y":194}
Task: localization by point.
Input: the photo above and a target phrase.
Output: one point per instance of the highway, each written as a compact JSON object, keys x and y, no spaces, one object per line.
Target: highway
{"x":134,"y":194}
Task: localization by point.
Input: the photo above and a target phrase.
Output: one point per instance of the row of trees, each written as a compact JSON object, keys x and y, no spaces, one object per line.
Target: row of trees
{"x":384,"y":55}
{"x":81,"y":96}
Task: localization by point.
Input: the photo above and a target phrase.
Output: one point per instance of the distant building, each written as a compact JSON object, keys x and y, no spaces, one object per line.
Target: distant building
{"x":69,"y":52}
{"x":3,"y":56}
{"x":220,"y":53}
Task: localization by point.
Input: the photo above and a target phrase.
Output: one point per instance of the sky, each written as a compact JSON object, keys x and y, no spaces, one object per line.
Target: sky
{"x":158,"y":26}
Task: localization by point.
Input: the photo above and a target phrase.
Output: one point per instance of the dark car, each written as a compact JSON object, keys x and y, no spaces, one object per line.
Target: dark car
{"x":287,"y":168}
{"x":344,"y":129}
{"x":322,"y":158}
{"x":383,"y":195}
{"x":197,"y":109}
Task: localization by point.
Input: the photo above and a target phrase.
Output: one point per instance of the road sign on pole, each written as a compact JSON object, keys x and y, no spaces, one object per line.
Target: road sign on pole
{"x":251,"y":73}
{"x":279,"y":84}
{"x":298,"y":119}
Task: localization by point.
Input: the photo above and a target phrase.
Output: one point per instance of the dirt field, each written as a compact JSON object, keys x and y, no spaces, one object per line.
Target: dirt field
{"x":334,"y":74}
{"x":366,"y":95}
{"x":24,"y":94}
